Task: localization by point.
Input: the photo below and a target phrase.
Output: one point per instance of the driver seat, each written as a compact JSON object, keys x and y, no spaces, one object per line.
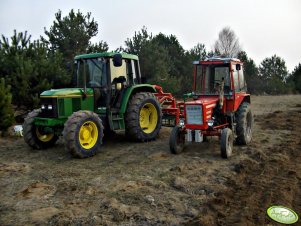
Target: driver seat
{"x":118,"y":93}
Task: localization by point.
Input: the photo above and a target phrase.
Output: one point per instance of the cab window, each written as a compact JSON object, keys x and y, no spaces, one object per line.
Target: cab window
{"x":242,"y":83}
{"x":118,"y":72}
{"x":235,"y":78}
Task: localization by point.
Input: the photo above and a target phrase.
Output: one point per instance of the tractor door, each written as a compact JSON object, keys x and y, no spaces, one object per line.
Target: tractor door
{"x":92,"y":73}
{"x":121,"y":78}
{"x":119,"y":82}
{"x":239,"y":84}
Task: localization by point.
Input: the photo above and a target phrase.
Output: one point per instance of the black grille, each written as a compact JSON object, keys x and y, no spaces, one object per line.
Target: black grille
{"x":48,"y":113}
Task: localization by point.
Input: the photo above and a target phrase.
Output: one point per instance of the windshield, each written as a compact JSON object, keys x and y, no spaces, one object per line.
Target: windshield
{"x":95,"y":70}
{"x":209,"y":79}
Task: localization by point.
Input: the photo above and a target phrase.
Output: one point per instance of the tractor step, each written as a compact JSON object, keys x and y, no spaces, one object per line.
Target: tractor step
{"x":117,"y":121}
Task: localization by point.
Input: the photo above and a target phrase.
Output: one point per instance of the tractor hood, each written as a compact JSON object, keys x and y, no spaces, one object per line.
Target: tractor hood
{"x":205,"y":100}
{"x":68,"y":92}
{"x":208,"y":103}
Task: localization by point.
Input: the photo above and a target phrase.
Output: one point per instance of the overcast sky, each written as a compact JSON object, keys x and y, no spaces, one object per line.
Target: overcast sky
{"x":264,"y":27}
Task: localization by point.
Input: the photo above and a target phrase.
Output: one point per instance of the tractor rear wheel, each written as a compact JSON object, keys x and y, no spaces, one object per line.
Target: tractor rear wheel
{"x":176,"y":140}
{"x":226,"y":143}
{"x":143,"y":117}
{"x":83,"y":133}
{"x":244,"y":124}
{"x":34,"y":135}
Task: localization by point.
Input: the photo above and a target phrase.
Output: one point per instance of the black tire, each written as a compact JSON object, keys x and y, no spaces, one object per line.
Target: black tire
{"x":176,"y":140}
{"x":205,"y":139}
{"x":244,"y":124}
{"x":226,"y":143}
{"x":33,"y":134}
{"x":83,"y":133}
{"x":143,"y":117}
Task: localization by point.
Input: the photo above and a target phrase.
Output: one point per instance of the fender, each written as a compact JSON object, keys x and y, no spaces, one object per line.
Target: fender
{"x":131,"y":91}
{"x":239,"y":98}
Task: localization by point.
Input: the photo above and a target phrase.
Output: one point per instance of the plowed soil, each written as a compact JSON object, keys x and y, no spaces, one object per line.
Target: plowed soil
{"x":130,"y":183}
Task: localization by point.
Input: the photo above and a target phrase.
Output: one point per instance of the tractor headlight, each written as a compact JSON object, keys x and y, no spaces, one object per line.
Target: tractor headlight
{"x":49,"y":107}
{"x":43,"y":106}
{"x":210,"y":123}
{"x":182,"y":122}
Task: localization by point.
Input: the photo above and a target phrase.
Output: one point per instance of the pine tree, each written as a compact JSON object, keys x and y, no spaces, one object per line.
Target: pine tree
{"x":6,"y":111}
{"x":71,"y":35}
{"x":273,"y":73}
{"x":295,"y":78}
{"x":30,"y":68}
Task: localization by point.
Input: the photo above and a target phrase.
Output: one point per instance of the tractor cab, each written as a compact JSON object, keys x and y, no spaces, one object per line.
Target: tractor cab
{"x":108,"y":75}
{"x":223,"y":78}
{"x":216,"y":74}
{"x":209,"y":78}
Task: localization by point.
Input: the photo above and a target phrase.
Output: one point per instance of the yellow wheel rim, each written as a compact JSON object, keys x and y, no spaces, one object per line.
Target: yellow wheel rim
{"x":44,"y":137}
{"x":88,"y":135}
{"x":148,"y":118}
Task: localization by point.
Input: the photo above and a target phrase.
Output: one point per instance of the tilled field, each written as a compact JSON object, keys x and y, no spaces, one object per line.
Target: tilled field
{"x":143,"y":184}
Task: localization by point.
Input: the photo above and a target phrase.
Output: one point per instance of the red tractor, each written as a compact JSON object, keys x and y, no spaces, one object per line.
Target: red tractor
{"x":220,"y":106}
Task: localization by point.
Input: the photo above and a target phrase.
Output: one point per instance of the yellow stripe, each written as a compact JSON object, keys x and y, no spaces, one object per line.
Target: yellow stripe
{"x":71,"y":96}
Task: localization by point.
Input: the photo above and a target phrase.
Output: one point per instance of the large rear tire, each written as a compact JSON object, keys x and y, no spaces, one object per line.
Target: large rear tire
{"x":34,"y":135}
{"x":83,"y":133}
{"x":143,"y":117}
{"x":176,"y":140}
{"x":226,"y":143}
{"x":244,"y":124}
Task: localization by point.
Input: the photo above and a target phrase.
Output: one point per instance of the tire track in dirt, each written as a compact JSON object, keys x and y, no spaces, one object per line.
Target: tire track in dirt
{"x":270,"y":175}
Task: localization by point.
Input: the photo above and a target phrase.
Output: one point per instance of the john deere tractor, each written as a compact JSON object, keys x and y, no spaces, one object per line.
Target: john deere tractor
{"x":107,"y":96}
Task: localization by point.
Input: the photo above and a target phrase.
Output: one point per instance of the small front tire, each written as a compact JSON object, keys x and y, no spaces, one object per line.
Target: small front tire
{"x":177,"y":140}
{"x":226,"y":143}
{"x":34,"y":135}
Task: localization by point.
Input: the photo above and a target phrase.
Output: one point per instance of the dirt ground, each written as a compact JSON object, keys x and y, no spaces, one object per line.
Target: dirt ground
{"x":130,"y":183}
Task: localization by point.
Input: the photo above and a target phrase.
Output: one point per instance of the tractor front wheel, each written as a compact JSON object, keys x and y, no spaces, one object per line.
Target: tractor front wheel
{"x":143,"y":117}
{"x":177,"y":140}
{"x":34,"y":135}
{"x":83,"y":133}
{"x":226,"y":143}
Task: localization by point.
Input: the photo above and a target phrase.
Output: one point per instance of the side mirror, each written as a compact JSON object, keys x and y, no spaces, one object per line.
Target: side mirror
{"x":238,"y":67}
{"x":117,"y":60}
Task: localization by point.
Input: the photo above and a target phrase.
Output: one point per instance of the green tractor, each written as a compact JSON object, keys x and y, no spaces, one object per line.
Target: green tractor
{"x":107,"y":96}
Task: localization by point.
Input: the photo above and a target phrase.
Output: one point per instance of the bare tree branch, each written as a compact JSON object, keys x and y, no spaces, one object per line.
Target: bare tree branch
{"x":227,"y":44}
